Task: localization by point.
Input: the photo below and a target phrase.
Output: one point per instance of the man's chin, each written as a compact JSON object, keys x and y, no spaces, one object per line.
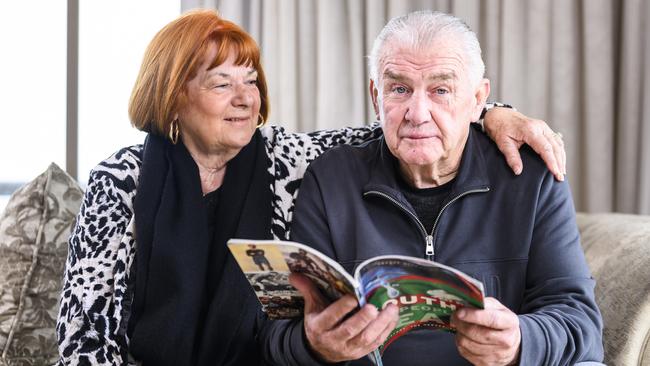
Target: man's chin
{"x":421,"y":153}
{"x":422,"y":159}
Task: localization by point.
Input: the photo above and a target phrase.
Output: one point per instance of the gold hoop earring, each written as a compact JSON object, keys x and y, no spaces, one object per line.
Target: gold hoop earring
{"x":174,"y":131}
{"x":260,"y":121}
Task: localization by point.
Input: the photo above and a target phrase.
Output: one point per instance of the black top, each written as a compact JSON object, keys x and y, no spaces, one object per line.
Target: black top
{"x":192,"y":305}
{"x":211,"y":202}
{"x":426,"y":202}
{"x":217,"y":250}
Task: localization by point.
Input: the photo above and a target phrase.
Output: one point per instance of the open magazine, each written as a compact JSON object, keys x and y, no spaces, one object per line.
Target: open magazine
{"x":426,"y":292}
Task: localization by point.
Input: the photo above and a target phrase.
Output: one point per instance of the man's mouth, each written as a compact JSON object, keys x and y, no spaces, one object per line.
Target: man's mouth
{"x":418,"y":137}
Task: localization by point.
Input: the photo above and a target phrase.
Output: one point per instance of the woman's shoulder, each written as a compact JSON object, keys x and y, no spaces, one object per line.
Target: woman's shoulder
{"x":121,"y":170}
{"x":124,"y":160}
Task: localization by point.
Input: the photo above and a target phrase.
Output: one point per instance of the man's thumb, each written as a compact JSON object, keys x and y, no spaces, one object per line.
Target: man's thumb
{"x":314,"y":301}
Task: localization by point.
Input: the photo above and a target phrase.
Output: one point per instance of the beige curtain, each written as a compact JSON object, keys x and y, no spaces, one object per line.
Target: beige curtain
{"x":580,"y":65}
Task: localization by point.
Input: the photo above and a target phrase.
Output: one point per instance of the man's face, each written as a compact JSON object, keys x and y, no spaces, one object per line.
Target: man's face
{"x":426,"y":101}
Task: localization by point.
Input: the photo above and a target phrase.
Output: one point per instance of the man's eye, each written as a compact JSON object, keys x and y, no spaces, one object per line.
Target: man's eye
{"x":441,"y":91}
{"x":400,"y":90}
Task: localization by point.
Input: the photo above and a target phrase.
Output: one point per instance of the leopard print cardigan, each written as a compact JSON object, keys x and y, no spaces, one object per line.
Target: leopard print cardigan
{"x":97,"y":292}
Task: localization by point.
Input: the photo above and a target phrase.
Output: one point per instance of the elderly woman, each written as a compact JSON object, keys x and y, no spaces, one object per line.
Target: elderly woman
{"x":148,"y":276}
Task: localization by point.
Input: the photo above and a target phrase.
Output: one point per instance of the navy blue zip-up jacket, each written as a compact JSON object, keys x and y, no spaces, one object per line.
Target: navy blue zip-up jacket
{"x":517,"y":234}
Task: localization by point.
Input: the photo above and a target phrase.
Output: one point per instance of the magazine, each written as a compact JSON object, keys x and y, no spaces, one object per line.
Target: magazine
{"x":427,"y":293}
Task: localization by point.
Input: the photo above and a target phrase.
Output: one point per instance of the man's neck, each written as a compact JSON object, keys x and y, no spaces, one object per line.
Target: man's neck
{"x":431,"y":175}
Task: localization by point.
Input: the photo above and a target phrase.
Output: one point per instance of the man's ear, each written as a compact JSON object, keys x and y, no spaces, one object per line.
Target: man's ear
{"x":373,"y":95}
{"x":480,"y":97}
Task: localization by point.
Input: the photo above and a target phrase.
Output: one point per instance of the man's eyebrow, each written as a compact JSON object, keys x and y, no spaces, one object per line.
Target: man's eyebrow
{"x":388,"y":74}
{"x":442,"y":76}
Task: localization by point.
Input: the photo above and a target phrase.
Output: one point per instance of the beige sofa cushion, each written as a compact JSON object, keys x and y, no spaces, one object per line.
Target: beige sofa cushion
{"x":617,"y":248}
{"x":34,"y":231}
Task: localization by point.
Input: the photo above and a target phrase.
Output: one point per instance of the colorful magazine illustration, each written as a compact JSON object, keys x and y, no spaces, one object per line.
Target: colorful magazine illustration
{"x":426,"y":292}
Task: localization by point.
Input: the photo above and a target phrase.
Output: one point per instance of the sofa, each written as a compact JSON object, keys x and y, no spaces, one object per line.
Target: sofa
{"x":617,"y":248}
{"x":39,"y":217}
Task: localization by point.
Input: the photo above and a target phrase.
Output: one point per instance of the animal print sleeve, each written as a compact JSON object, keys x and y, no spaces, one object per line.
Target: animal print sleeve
{"x":318,"y":142}
{"x":91,"y":328}
{"x":300,"y":149}
{"x":291,"y":153}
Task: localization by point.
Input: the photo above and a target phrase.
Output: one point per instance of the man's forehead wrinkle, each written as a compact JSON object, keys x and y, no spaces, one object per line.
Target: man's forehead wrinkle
{"x":430,"y":70}
{"x":422,"y":61}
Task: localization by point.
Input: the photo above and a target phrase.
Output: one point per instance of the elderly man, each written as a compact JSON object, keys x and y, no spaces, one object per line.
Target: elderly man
{"x":433,"y":187}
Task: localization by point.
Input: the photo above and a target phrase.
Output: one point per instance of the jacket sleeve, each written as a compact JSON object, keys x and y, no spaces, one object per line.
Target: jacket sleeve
{"x":283,"y":342}
{"x":561,"y":324}
{"x":90,"y":327}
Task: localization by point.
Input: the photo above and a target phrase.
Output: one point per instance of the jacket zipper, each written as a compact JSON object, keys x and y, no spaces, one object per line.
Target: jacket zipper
{"x":429,"y":248}
{"x":435,"y":223}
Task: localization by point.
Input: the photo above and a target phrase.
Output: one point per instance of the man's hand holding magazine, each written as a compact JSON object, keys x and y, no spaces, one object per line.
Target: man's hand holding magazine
{"x":337,"y":331}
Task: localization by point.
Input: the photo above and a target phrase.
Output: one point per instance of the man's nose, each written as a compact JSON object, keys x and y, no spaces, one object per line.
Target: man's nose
{"x":419,"y":110}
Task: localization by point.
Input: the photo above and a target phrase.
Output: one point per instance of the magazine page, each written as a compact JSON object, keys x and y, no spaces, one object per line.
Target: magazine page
{"x":268,"y":263}
{"x":426,"y":292}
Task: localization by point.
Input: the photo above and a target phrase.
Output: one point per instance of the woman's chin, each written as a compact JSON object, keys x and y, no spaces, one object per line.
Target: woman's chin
{"x":240,"y":140}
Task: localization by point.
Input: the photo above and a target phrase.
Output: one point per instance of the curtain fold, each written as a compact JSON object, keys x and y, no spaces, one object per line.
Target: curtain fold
{"x":580,"y":65}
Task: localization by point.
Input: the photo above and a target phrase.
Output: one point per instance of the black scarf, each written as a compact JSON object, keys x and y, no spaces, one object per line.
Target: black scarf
{"x":173,"y":320}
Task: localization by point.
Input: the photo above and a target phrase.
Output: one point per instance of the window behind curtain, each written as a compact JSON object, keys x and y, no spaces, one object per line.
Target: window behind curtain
{"x":32,"y":90}
{"x":112,"y":38}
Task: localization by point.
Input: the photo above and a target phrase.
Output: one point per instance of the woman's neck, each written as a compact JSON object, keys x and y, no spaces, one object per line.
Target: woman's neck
{"x":212,"y":167}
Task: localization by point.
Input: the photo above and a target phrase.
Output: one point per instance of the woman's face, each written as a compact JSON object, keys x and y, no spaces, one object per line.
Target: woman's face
{"x":222,"y":108}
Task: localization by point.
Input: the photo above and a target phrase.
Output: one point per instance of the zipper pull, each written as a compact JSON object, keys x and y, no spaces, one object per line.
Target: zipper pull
{"x":429,"y":250}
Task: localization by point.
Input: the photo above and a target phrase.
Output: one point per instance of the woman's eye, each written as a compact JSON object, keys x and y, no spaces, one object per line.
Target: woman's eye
{"x":221,"y":86}
{"x":252,"y":82}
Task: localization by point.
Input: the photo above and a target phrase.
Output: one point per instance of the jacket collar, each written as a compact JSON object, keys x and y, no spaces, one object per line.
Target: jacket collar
{"x":472,"y":172}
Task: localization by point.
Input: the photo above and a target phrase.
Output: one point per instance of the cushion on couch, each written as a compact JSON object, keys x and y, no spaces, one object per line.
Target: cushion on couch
{"x":617,"y":248}
{"x":34,"y":231}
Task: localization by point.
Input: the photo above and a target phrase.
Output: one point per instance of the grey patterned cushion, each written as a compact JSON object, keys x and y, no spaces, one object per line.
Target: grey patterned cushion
{"x":34,"y":231}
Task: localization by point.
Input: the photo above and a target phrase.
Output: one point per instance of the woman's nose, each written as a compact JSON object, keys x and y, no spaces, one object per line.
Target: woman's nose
{"x":242,"y":96}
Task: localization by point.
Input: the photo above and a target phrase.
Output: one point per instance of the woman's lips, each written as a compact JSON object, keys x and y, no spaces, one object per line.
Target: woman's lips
{"x":237,"y":119}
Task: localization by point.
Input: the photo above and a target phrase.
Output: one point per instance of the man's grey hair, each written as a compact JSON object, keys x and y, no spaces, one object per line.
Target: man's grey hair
{"x":417,"y":31}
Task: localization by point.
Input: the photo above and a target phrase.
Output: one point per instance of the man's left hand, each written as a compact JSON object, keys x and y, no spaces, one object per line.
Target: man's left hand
{"x":489,"y":336}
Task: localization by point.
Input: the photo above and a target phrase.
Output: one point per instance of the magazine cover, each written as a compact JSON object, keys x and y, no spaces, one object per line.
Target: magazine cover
{"x":267,"y":265}
{"x":426,"y":293}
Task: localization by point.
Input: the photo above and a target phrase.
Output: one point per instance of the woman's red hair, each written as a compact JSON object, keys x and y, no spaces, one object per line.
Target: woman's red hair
{"x":173,"y":58}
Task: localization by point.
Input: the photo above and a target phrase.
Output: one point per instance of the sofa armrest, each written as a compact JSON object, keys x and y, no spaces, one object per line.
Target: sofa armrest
{"x":617,"y":248}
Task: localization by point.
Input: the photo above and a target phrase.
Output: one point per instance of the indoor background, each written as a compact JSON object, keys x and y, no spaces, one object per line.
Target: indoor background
{"x":582,"y":66}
